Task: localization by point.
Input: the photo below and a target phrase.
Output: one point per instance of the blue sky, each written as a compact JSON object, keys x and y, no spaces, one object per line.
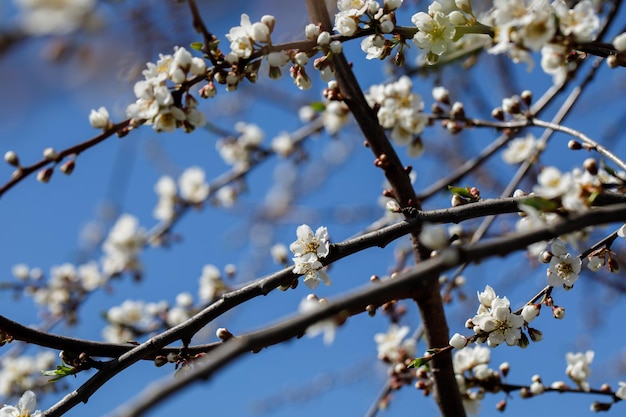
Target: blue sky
{"x":48,"y":105}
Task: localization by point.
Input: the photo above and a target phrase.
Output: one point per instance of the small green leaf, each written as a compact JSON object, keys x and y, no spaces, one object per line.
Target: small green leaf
{"x":318,"y":106}
{"x":540,"y":204}
{"x":416,"y":363}
{"x":197,"y":46}
{"x":60,"y":372}
{"x":461,"y":192}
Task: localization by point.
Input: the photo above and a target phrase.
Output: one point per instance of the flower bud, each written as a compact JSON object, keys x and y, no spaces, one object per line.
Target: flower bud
{"x":558,"y":312}
{"x":223,"y":334}
{"x":50,"y":154}
{"x":574,"y":145}
{"x":11,"y":158}
{"x":44,"y":175}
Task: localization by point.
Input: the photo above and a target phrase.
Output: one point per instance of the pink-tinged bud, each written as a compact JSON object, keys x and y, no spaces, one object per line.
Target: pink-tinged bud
{"x":501,"y":406}
{"x":558,"y":312}
{"x":44,"y":175}
{"x":68,"y":167}
{"x":11,"y":158}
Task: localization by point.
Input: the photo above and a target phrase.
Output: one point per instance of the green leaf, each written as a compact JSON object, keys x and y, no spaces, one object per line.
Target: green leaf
{"x":197,"y":46}
{"x":416,"y":363}
{"x":541,"y":204}
{"x":461,"y":192}
{"x":60,"y":372}
{"x":318,"y":106}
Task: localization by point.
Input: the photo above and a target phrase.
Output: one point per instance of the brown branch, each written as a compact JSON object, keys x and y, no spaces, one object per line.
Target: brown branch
{"x":400,"y":287}
{"x":22,"y":172}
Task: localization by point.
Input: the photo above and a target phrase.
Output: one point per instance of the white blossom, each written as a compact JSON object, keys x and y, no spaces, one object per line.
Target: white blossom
{"x":564,"y":268}
{"x":25,"y":407}
{"x":393,"y":345}
{"x":58,"y":17}
{"x":308,"y":243}
{"x":582,"y":21}
{"x":578,"y":367}
{"x":122,"y":246}
{"x":520,"y":149}
{"x":399,"y":109}
{"x":99,"y":118}
{"x":500,"y":323}
{"x":192,"y":184}
{"x":620,"y":42}
{"x":553,"y":183}
{"x":621,"y":391}
{"x":210,"y":283}
{"x":435,"y":32}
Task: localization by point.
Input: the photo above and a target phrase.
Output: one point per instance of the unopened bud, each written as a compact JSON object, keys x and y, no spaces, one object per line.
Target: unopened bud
{"x":501,"y":406}
{"x":591,"y":166}
{"x":523,"y":341}
{"x":50,"y":154}
{"x":498,"y":113}
{"x":574,"y":145}
{"x":223,"y":334}
{"x":535,"y":335}
{"x":598,"y":406}
{"x":392,"y":206}
{"x":44,"y":175}
{"x":68,"y":167}
{"x":505,"y":368}
{"x":527,"y":97}
{"x":558,"y":312}
{"x":160,"y":360}
{"x":11,"y":158}
{"x":458,"y":111}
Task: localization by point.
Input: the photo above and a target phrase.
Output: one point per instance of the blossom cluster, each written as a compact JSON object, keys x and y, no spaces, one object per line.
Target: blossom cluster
{"x":494,"y":321}
{"x":65,"y":287}
{"x":523,"y":27}
{"x":401,"y":111}
{"x":239,"y":151}
{"x":437,"y":29}
{"x":134,"y":318}
{"x":308,"y":249}
{"x":471,"y":365}
{"x":156,"y":104}
{"x":394,"y":346}
{"x":45,"y":17}
{"x":373,"y":16}
{"x":23,"y":372}
{"x":122,"y":246}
